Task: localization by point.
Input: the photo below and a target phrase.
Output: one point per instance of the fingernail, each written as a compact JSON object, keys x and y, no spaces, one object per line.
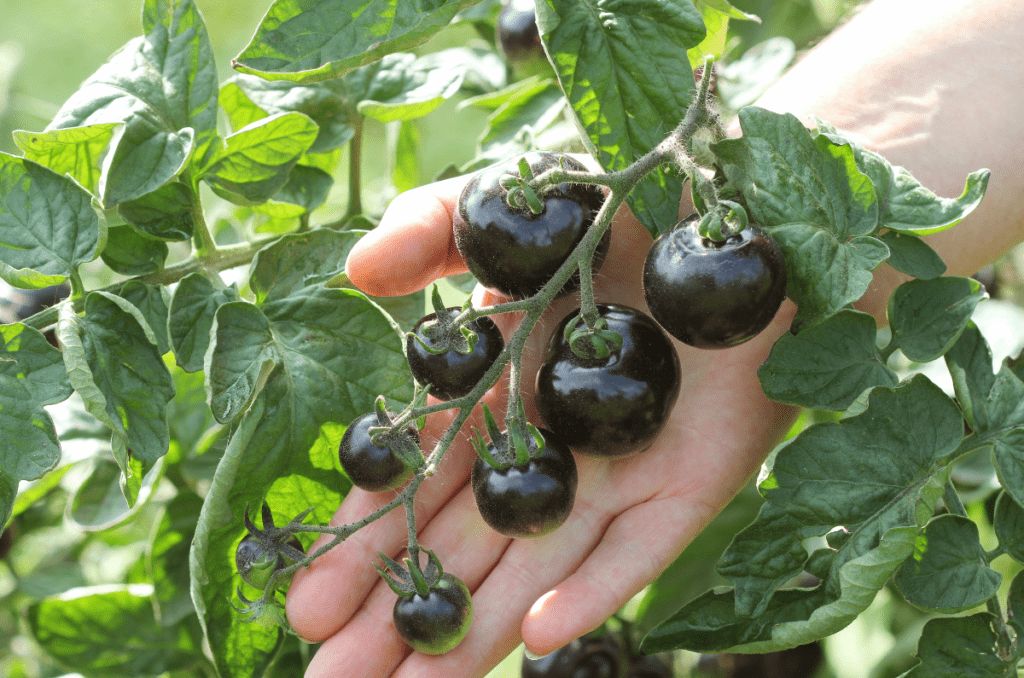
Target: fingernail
{"x":534,"y":657}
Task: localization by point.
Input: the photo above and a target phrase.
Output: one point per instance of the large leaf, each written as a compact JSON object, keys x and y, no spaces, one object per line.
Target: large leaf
{"x":828,"y":365}
{"x":905,"y":206}
{"x":332,"y":352}
{"x":810,"y":196}
{"x":993,"y":405}
{"x":77,"y":151}
{"x":622,"y":69}
{"x":869,"y":482}
{"x":960,"y":646}
{"x":193,"y":306}
{"x":108,"y":630}
{"x":927,"y":316}
{"x":31,"y":375}
{"x":948,"y":571}
{"x":114,"y":365}
{"x":306,"y":42}
{"x":47,"y":225}
{"x":163,"y":87}
{"x":255,"y":161}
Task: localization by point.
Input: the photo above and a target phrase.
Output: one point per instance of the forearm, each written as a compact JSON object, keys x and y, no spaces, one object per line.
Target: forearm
{"x":936,"y":86}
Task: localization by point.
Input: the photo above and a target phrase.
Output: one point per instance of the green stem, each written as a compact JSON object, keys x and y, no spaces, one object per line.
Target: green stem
{"x":222,"y":259}
{"x":202,"y":239}
{"x":410,"y":519}
{"x":77,"y":287}
{"x":355,"y":156}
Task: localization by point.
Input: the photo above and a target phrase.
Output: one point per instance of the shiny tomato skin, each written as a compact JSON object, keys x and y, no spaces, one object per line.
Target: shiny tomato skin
{"x":515,"y":251}
{"x":452,"y":374}
{"x":368,"y":466}
{"x":437,"y":622}
{"x":714,"y":295}
{"x":610,"y":407}
{"x":527,"y":500}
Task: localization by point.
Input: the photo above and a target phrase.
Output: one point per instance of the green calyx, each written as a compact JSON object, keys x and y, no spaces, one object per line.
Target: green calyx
{"x":520,"y":195}
{"x":512,"y":444}
{"x":597,"y":342}
{"x":410,"y":580}
{"x":725,"y":220}
{"x":397,"y":438}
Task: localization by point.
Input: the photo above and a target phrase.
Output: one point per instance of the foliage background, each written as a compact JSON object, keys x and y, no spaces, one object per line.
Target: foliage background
{"x":48,"y":48}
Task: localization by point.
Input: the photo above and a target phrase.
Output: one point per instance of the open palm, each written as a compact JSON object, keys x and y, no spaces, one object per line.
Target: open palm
{"x":631,"y":517}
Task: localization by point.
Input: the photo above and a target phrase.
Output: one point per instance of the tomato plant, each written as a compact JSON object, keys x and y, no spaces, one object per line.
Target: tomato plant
{"x":181,"y":339}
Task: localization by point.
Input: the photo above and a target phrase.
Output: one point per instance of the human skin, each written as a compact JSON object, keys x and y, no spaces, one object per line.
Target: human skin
{"x":934,"y":86}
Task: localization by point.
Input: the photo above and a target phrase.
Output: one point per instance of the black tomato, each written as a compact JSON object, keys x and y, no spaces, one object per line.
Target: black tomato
{"x":587,"y":657}
{"x":452,"y":374}
{"x":437,"y":622}
{"x":528,"y":500}
{"x":649,"y":666}
{"x":519,"y":39}
{"x":616,"y":406}
{"x":513,"y":250}
{"x":371,"y":467}
{"x":714,"y":295}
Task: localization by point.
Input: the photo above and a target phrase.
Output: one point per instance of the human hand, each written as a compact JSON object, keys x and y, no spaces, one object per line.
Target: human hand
{"x":631,"y":517}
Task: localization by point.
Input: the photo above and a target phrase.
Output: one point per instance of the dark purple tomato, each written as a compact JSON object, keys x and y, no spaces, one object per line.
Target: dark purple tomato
{"x":437,"y":622}
{"x":371,"y":467}
{"x":714,"y":294}
{"x":513,"y":250}
{"x":452,"y":374}
{"x":591,"y":656}
{"x":528,"y":500}
{"x":610,"y":407}
{"x":517,"y":35}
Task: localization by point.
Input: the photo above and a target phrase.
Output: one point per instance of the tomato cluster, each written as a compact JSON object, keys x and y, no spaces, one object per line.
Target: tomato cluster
{"x":604,"y":653}
{"x":607,"y":387}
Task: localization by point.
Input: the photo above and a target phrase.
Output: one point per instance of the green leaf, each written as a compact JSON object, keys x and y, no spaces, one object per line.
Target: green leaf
{"x":165,"y":214}
{"x":47,"y":225}
{"x":98,"y":503}
{"x":992,"y":404}
{"x":810,"y":196}
{"x":255,"y":161}
{"x":167,"y":559}
{"x":114,"y":365}
{"x":905,"y":205}
{"x":152,"y":301}
{"x":960,"y":646}
{"x":927,"y":316}
{"x":948,"y":570}
{"x":828,"y":365}
{"x":240,"y":649}
{"x":405,"y":172}
{"x":620,"y":67}
{"x":402,"y":87}
{"x":246,"y":354}
{"x":913,"y":256}
{"x":306,"y":189}
{"x":163,"y":87}
{"x":1015,"y":607}
{"x":306,"y":43}
{"x":31,"y":375}
{"x":110,"y":630}
{"x":513,"y":128}
{"x":193,"y":305}
{"x":296,"y":262}
{"x":1009,"y":526}
{"x":130,"y":252}
{"x":78,"y":151}
{"x":869,"y":474}
{"x":247,"y":99}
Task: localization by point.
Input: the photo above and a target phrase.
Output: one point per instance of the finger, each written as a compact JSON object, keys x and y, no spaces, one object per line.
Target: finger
{"x":413,"y":245}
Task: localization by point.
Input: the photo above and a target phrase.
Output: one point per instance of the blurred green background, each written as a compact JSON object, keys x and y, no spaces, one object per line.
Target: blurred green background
{"x":48,"y":48}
